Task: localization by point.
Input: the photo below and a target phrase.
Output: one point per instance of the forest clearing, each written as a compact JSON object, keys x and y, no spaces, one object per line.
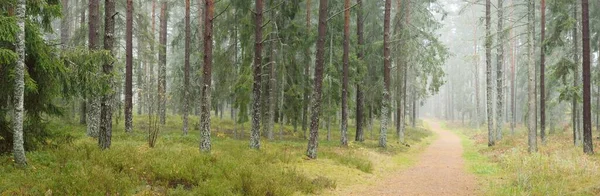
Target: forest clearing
{"x":299,"y":97}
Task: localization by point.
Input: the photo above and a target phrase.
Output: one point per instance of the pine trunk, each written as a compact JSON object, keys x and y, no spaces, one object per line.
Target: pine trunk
{"x":255,"y":132}
{"x":588,"y":147}
{"x":129,"y":67}
{"x":205,"y":144}
{"x":306,"y":98}
{"x":104,"y":139}
{"x":162,"y":67}
{"x":65,"y":24}
{"x":272,"y":90}
{"x":499,"y":72}
{"x":359,"y":137}
{"x":93,"y":101}
{"x":19,"y":93}
{"x":488,"y":64}
{"x":385,"y":110}
{"x":186,"y":72}
{"x":346,"y":62}
{"x":575,"y":114}
{"x":313,"y":141}
{"x":531,"y":116}
{"x":542,"y":72}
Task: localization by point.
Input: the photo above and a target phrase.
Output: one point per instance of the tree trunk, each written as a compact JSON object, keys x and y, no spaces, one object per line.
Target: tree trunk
{"x":488,"y":64}
{"x":359,"y":137}
{"x":346,"y":62}
{"x":386,"y":76}
{"x":531,"y":117}
{"x":513,"y":109}
{"x":476,"y":75}
{"x":19,"y":74}
{"x":83,"y":104}
{"x":318,"y":83}
{"x":588,"y":147}
{"x":129,"y":67}
{"x":258,"y":17}
{"x":306,"y":72}
{"x":499,"y":71}
{"x":205,"y":144}
{"x":104,"y":139}
{"x":65,"y":25}
{"x":542,"y":73}
{"x":186,"y":72}
{"x":575,"y":114}
{"x":162,"y":67}
{"x":93,"y":105}
{"x":271,"y":99}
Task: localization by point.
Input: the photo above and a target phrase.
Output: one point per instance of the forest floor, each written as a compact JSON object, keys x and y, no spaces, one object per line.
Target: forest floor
{"x":558,"y":168}
{"x":440,"y":170}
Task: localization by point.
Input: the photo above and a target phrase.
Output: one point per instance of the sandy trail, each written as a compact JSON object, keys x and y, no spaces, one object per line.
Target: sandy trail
{"x":439,"y":171}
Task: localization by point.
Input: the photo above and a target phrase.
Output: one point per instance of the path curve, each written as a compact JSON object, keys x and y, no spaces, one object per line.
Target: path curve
{"x":439,"y":171}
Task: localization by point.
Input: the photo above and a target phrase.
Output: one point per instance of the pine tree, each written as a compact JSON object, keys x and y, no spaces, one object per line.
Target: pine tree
{"x":209,"y":10}
{"x":359,"y":137}
{"x":531,"y":116}
{"x":499,"y":71}
{"x":258,"y":25}
{"x":346,"y":62}
{"x":385,"y":109}
{"x":488,"y":64}
{"x":313,"y":140}
{"x":104,"y":138}
{"x":93,"y":105}
{"x":186,"y":72}
{"x":129,"y":67}
{"x":542,"y":73}
{"x":162,"y":64}
{"x":588,"y":146}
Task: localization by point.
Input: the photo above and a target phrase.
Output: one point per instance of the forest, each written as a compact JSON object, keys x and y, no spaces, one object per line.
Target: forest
{"x":299,"y":97}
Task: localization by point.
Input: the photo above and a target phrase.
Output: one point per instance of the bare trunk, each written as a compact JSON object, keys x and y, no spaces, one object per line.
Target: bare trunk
{"x":162,"y":67}
{"x":359,"y":94}
{"x":575,"y":114}
{"x":488,"y":64}
{"x":306,"y":72}
{"x":205,"y":144}
{"x":129,"y":68}
{"x":255,"y":137}
{"x":531,"y":117}
{"x":346,"y":62}
{"x":318,"y":83}
{"x":588,"y":147}
{"x":65,"y":24}
{"x":104,"y":139}
{"x":93,"y":105}
{"x":186,"y":72}
{"x":542,"y":73}
{"x":19,"y":93}
{"x":513,"y":111}
{"x":499,"y":72}
{"x":386,"y":76}
{"x":271,"y":99}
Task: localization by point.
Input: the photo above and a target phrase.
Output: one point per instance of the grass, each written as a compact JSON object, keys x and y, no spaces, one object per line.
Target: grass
{"x":72,"y":164}
{"x":558,"y":168}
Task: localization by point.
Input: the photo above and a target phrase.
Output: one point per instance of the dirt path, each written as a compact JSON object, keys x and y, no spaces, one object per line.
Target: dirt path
{"x":439,"y":171}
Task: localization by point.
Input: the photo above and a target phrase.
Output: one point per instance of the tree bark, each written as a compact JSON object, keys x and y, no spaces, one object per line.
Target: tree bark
{"x":531,"y":117}
{"x":205,"y":144}
{"x":271,"y":94}
{"x":19,"y":92}
{"x":513,"y":109}
{"x":386,"y":76}
{"x":500,"y":71}
{"x":588,"y":147}
{"x":186,"y":72}
{"x":129,"y":67}
{"x":488,"y":64}
{"x":162,"y":68}
{"x":575,"y":114}
{"x":313,"y":141}
{"x":542,"y":72}
{"x":65,"y":24}
{"x":359,"y":137}
{"x":346,"y":62}
{"x":306,"y":100}
{"x":93,"y":105}
{"x":104,"y":139}
{"x":258,"y":17}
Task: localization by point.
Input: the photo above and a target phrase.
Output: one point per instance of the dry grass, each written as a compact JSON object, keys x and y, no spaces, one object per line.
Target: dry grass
{"x":559,"y":168}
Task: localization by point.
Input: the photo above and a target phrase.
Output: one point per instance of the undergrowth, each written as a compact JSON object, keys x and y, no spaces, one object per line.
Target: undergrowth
{"x":72,"y":164}
{"x":558,"y":168}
